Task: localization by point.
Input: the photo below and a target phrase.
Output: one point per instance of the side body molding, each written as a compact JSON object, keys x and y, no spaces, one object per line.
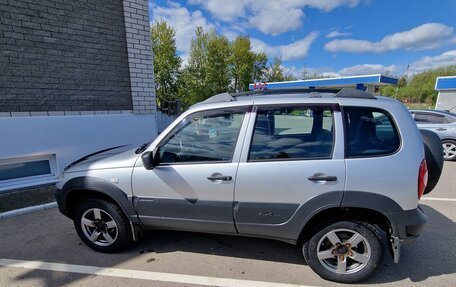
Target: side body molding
{"x":290,"y":230}
{"x":98,"y":185}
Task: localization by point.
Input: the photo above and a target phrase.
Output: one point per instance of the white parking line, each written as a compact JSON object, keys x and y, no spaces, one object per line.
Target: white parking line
{"x":137,"y":274}
{"x":438,"y":199}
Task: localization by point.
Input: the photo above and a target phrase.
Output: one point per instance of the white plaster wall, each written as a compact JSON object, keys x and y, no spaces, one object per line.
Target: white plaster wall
{"x":72,"y":137}
{"x":446,"y":100}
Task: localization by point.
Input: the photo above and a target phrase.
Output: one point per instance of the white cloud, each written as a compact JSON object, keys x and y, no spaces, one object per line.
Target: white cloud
{"x":276,"y":18}
{"x":337,"y":33}
{"x":366,"y":69}
{"x":183,"y":21}
{"x":296,"y":50}
{"x":363,"y":69}
{"x":221,"y":11}
{"x":272,"y":17}
{"x":447,"y":58}
{"x":423,"y":37}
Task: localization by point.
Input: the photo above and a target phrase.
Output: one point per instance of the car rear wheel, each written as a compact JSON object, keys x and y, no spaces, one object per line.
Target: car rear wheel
{"x":344,"y":251}
{"x":449,"y":149}
{"x":102,"y":225}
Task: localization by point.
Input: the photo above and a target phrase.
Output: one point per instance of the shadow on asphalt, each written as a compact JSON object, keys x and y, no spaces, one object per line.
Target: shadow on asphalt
{"x":433,"y":254}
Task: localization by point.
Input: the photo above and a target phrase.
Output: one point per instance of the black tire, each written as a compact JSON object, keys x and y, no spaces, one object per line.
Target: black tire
{"x":370,"y":247}
{"x":109,"y":239}
{"x":453,"y":144}
{"x":433,"y":152}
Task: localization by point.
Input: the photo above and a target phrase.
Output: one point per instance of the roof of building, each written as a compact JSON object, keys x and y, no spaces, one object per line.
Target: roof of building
{"x":445,"y":83}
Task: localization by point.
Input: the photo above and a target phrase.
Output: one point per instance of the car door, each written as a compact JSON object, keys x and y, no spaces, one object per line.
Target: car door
{"x":432,"y":121}
{"x":193,"y":184}
{"x":293,"y":167}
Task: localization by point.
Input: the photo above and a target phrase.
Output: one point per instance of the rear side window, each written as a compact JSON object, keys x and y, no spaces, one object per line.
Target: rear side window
{"x":428,"y":118}
{"x":369,"y":132}
{"x":292,"y":133}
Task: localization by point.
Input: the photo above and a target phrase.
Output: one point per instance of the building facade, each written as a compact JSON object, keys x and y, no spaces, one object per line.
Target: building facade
{"x":76,"y":77}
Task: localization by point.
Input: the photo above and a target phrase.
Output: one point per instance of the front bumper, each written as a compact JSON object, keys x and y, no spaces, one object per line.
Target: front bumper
{"x":60,"y":201}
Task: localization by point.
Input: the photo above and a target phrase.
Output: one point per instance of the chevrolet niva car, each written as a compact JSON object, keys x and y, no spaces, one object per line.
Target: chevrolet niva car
{"x":338,"y":172}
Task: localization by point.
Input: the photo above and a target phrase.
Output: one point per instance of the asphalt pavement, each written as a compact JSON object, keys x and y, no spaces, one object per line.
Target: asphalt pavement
{"x":43,"y":249}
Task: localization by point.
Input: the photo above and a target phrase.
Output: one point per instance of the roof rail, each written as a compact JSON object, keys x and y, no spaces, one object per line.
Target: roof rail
{"x":313,"y":93}
{"x":354,"y":93}
{"x":284,"y":91}
{"x":223,"y":97}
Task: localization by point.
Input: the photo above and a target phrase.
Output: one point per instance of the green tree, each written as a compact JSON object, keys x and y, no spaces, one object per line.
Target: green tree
{"x":166,"y":63}
{"x":260,"y":67}
{"x":217,"y":66}
{"x":242,"y":63}
{"x":193,"y":82}
{"x":402,"y":82}
{"x":277,"y":73}
{"x":420,"y":88}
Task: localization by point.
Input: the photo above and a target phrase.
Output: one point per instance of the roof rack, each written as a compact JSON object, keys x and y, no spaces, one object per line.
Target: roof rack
{"x":313,"y":93}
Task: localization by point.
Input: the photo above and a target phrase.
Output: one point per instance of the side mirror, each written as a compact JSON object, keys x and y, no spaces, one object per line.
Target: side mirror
{"x":151,"y":159}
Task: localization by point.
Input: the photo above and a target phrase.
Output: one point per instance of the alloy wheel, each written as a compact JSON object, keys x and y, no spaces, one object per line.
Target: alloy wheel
{"x":99,"y":227}
{"x":343,"y":251}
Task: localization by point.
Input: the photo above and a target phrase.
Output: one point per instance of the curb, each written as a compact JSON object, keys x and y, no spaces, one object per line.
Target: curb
{"x":25,"y":210}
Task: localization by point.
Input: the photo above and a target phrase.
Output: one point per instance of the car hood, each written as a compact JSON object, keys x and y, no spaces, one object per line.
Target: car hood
{"x":115,"y":157}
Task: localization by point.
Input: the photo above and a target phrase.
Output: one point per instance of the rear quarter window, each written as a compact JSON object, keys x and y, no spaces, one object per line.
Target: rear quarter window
{"x":369,"y":132}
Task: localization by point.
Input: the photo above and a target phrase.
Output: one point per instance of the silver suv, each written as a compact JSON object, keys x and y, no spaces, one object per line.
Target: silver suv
{"x":335,"y":172}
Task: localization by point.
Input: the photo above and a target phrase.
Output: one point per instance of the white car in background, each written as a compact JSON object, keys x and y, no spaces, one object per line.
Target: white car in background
{"x":443,"y":123}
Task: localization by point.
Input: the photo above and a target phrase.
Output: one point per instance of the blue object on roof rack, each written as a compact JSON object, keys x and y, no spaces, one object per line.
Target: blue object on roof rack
{"x":358,"y":82}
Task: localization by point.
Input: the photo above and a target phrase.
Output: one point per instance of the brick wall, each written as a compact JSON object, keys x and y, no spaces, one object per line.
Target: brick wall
{"x":64,"y":55}
{"x":137,"y":27}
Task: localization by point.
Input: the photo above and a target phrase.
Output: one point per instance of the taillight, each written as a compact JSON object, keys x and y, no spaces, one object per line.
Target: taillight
{"x":422,"y":178}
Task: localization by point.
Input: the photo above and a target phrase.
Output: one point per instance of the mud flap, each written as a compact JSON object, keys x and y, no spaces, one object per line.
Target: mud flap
{"x":395,"y":248}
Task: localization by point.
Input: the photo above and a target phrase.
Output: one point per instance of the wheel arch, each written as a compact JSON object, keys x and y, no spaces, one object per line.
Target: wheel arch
{"x":322,"y":217}
{"x":80,"y":188}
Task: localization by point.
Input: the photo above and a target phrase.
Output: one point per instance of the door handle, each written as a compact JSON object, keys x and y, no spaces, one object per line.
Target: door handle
{"x":441,"y":129}
{"x":317,"y":177}
{"x":219,"y":177}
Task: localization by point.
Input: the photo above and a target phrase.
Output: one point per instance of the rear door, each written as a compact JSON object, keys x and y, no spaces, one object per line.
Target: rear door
{"x":293,"y":166}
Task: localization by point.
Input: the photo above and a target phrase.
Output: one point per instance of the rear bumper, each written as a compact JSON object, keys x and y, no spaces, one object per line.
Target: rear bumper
{"x":408,"y":224}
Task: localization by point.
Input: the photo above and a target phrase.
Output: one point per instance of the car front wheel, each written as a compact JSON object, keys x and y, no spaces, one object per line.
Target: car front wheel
{"x":344,"y":251}
{"x":102,"y":225}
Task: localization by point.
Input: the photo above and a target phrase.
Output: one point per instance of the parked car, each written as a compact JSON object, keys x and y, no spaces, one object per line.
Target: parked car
{"x":443,"y":123}
{"x":312,"y":168}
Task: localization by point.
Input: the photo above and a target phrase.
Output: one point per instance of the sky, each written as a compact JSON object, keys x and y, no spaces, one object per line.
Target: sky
{"x":326,"y":37}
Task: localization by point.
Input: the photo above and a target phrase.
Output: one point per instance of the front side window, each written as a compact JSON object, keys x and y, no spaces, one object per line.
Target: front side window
{"x":369,"y":132}
{"x":203,"y":137}
{"x":292,"y":133}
